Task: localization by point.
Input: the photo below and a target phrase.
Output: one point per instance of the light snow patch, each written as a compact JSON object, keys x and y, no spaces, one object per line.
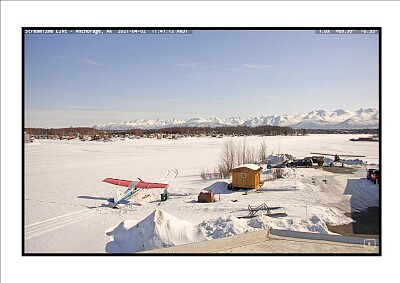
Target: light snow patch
{"x":158,"y":230}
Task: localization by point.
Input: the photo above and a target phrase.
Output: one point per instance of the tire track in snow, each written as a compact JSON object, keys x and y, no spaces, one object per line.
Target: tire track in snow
{"x":42,"y":227}
{"x":54,"y":202}
{"x":171,"y":175}
{"x":163,"y":178}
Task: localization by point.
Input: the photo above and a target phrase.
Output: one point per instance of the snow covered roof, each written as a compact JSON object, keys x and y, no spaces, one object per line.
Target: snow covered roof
{"x":249,"y":166}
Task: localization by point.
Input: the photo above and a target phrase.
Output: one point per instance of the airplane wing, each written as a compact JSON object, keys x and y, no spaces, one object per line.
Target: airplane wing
{"x":134,"y":187}
{"x":137,"y":185}
{"x":118,"y":182}
{"x":352,"y":155}
{"x":342,"y":155}
{"x":322,"y":153}
{"x":147,"y":185}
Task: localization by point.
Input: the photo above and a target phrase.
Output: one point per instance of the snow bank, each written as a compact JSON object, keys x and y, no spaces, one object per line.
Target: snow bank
{"x":225,"y":227}
{"x":276,"y":159}
{"x":316,"y":222}
{"x":313,"y":224}
{"x":284,"y":173}
{"x":287,"y":173}
{"x":158,"y":230}
{"x":330,"y":215}
{"x":161,"y":230}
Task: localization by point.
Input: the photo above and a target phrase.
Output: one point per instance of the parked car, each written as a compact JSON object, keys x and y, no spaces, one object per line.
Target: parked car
{"x":375,"y":176}
{"x":369,"y":173}
{"x":303,"y":163}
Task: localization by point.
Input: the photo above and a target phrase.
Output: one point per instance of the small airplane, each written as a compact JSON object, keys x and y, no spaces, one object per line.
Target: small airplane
{"x":337,"y":158}
{"x":134,"y":187}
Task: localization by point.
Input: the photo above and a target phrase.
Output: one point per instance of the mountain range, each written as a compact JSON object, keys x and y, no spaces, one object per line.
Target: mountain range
{"x":320,"y":119}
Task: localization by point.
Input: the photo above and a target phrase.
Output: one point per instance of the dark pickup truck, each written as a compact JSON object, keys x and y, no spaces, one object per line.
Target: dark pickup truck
{"x":303,"y":163}
{"x":298,"y":163}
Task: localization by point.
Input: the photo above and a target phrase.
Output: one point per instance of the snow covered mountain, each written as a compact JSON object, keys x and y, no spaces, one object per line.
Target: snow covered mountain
{"x":320,"y":119}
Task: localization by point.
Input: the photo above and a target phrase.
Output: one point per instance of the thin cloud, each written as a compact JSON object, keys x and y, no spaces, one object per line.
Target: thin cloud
{"x":64,"y":107}
{"x":92,"y":62}
{"x":80,"y":107}
{"x":193,"y":65}
{"x":175,"y":100}
{"x":242,"y":67}
{"x":186,"y":65}
{"x":256,"y":66}
{"x":231,"y":69}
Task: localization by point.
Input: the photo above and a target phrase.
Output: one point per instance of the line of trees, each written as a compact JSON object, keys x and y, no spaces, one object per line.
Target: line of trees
{"x":233,"y":130}
{"x":61,"y":131}
{"x":343,"y":131}
{"x":235,"y":154}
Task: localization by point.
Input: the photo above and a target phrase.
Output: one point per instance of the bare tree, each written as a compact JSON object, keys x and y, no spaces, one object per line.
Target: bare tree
{"x":242,"y":151}
{"x":204,"y":173}
{"x":235,"y":154}
{"x":262,"y":153}
{"x":250,"y":156}
{"x":245,"y":153}
{"x":227,"y":158}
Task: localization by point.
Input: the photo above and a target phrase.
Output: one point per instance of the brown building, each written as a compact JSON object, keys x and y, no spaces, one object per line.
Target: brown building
{"x":246,"y":176}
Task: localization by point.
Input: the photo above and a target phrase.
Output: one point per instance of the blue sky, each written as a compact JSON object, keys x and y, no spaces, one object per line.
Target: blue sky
{"x":82,"y":80}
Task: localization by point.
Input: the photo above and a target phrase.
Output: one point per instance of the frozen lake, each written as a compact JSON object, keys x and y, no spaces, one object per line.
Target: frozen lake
{"x":64,"y":194}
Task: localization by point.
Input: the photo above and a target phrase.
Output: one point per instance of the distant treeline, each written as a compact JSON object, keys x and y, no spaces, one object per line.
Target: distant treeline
{"x":61,"y":131}
{"x":232,"y":130}
{"x":341,"y":131}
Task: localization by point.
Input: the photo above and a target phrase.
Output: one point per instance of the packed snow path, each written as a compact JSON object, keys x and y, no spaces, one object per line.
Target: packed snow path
{"x":39,"y":228}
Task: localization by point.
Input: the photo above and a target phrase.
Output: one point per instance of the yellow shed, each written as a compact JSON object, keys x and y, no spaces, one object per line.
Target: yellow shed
{"x":246,"y":176}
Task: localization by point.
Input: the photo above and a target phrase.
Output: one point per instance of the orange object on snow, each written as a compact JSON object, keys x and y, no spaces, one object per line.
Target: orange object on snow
{"x":207,"y":196}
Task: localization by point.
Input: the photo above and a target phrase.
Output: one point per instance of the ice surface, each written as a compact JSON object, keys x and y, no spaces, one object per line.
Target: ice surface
{"x":65,"y":198}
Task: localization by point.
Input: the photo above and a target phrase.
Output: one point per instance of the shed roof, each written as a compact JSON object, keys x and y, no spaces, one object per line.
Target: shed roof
{"x":253,"y":167}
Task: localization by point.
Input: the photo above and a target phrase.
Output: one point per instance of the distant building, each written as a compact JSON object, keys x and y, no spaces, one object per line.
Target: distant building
{"x":246,"y":176}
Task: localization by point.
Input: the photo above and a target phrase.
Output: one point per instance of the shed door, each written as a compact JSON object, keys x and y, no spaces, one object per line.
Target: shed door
{"x":243,"y":177}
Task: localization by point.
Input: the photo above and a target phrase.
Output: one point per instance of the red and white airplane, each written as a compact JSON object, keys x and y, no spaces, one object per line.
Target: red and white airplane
{"x":134,"y":187}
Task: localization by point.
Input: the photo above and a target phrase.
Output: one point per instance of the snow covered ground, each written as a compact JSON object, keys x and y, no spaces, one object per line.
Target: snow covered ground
{"x":64,"y":197}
